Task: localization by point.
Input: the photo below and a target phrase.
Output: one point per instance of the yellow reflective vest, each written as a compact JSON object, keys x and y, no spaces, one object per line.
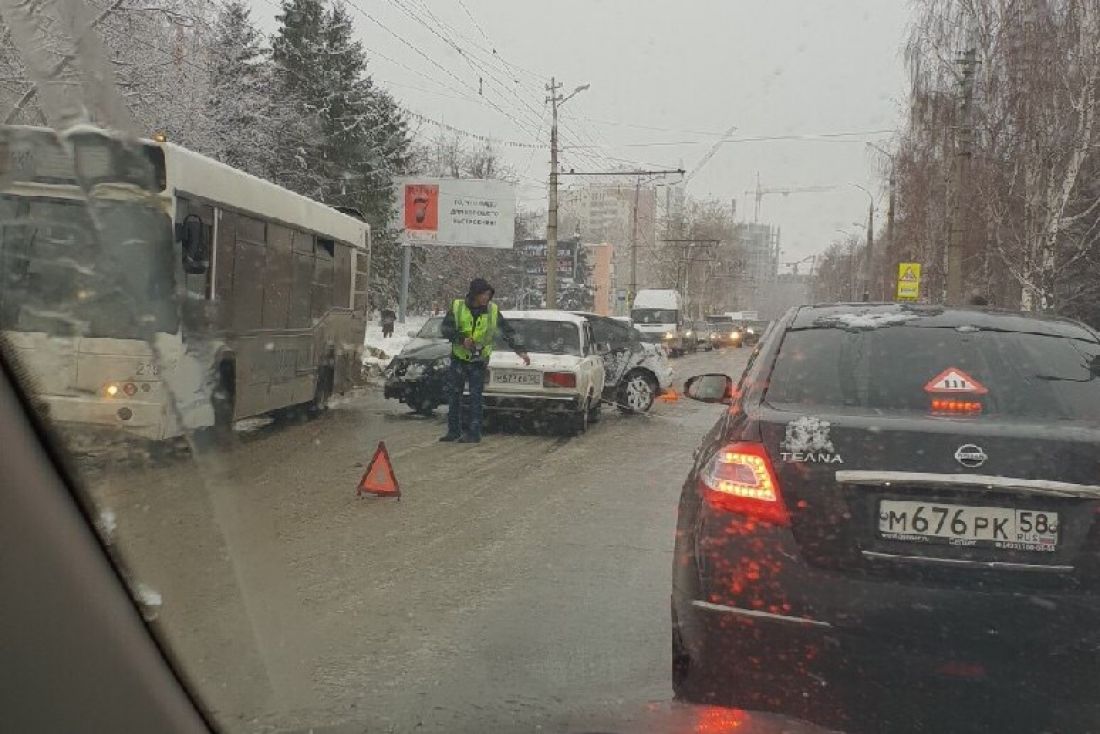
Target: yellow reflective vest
{"x":481,"y":331}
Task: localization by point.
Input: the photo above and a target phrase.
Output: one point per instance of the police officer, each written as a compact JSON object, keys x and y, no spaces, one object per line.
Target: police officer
{"x":470,"y":325}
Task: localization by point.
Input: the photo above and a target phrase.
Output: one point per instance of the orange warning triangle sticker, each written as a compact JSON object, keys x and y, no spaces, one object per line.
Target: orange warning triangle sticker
{"x":379,"y":478}
{"x":909,"y":275}
{"x":954,"y":380}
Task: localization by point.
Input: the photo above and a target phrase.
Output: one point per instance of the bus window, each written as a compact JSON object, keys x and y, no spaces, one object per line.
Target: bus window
{"x":303,"y":243}
{"x":198,"y":285}
{"x":253,"y":230}
{"x":248,"y":261}
{"x":321,"y":300}
{"x":325,"y":247}
{"x":277,"y":277}
{"x":341,"y":277}
{"x":223,"y":265}
{"x":301,"y":281}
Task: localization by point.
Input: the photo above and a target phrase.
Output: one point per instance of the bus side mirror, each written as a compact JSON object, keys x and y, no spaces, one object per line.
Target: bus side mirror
{"x":196,"y":249}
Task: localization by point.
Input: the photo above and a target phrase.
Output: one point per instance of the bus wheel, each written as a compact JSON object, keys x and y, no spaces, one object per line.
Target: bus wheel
{"x":321,"y":395}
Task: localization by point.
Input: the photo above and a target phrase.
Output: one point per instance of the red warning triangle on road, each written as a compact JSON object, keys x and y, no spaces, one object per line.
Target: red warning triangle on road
{"x":379,"y":478}
{"x":953,"y":380}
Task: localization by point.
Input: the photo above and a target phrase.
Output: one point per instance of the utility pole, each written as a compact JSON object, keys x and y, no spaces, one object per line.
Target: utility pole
{"x":867,"y":264}
{"x":889,"y":232}
{"x":964,"y":133}
{"x":552,"y":214}
{"x":634,"y":246}
{"x":556,"y":100}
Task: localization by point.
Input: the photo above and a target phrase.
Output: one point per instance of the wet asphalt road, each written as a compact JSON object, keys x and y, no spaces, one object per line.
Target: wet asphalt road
{"x":519,"y":585}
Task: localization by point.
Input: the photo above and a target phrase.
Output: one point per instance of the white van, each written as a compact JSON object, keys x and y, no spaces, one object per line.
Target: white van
{"x":658,"y":315}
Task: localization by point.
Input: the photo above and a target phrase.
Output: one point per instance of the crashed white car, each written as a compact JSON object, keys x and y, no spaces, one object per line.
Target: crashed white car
{"x":637,"y":371}
{"x":565,"y":379}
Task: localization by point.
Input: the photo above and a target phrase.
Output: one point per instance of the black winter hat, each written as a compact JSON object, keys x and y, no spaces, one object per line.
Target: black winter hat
{"x":480,"y":285}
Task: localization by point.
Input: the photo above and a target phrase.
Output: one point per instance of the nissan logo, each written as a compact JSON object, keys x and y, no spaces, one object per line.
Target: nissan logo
{"x":970,"y":456}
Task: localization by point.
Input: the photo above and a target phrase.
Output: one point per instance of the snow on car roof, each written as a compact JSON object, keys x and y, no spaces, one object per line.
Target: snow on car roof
{"x":546,"y":315}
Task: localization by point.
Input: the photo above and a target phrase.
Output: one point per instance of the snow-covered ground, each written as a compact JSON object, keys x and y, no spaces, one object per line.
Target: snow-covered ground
{"x":380,"y":351}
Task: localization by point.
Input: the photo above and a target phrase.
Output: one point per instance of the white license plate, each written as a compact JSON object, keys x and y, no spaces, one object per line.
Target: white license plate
{"x":965,"y":525}
{"x":516,"y":377}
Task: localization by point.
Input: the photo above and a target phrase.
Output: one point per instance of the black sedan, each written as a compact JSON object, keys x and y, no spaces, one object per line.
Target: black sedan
{"x":900,"y":504}
{"x":417,"y":376}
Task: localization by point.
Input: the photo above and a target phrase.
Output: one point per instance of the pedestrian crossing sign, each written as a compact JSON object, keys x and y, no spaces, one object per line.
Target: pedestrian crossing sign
{"x":908,"y":281}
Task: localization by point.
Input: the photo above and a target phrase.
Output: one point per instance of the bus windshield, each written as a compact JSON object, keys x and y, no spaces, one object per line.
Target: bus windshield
{"x":654,"y":316}
{"x":98,"y":269}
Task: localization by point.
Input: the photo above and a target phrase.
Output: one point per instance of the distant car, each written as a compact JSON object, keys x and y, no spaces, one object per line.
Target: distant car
{"x":565,"y":379}
{"x":417,"y":376}
{"x":636,"y":371}
{"x":728,"y":333}
{"x":704,"y":335}
{"x":901,"y":494}
{"x":752,"y":331}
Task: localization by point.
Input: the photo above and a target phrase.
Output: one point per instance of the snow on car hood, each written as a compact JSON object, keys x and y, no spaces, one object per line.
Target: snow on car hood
{"x":539,"y":360}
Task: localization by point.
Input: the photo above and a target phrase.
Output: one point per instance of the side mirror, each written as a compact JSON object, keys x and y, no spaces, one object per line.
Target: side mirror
{"x":196,"y":249}
{"x":710,"y":388}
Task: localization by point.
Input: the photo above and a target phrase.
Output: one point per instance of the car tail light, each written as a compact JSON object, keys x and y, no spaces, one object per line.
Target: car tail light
{"x":559,"y":379}
{"x":740,"y":479}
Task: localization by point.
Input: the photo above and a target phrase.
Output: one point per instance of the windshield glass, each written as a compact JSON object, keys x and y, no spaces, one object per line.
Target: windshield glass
{"x":432,"y":329}
{"x":1026,"y":375}
{"x":646,"y":316}
{"x":73,"y":270}
{"x":790,"y":420}
{"x":547,"y":337}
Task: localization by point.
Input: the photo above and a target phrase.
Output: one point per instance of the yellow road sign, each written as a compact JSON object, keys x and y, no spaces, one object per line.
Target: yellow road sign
{"x":908,"y":281}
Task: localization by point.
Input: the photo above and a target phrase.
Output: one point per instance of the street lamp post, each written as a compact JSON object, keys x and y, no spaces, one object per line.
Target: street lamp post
{"x":556,"y":101}
{"x":865,"y":275}
{"x":889,"y":247}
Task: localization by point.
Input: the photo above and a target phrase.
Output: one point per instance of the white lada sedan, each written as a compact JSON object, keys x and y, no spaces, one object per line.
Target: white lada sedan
{"x":565,"y":378}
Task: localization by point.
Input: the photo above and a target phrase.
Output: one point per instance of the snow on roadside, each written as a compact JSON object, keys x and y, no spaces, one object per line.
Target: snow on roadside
{"x":379,"y":351}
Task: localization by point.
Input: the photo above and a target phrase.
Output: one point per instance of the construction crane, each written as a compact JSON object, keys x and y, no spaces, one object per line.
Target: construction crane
{"x":709,"y":154}
{"x":794,"y":265}
{"x":762,"y":192}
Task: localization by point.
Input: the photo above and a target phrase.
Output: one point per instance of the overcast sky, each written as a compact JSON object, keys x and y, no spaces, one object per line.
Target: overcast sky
{"x":691,"y":68}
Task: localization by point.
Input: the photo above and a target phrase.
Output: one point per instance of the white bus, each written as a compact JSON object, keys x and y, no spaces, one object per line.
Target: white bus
{"x":147,"y":288}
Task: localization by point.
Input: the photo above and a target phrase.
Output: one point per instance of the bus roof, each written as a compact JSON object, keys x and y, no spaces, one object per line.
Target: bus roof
{"x":189,"y":172}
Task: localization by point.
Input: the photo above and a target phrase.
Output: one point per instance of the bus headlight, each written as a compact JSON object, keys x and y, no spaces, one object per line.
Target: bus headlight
{"x":668,"y":335}
{"x":111,"y":390}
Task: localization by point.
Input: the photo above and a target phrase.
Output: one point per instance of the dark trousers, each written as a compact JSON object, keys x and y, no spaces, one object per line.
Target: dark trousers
{"x":457,"y":376}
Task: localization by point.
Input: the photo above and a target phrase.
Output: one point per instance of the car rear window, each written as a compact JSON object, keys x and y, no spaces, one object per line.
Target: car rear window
{"x":1026,"y":375}
{"x":550,"y":337}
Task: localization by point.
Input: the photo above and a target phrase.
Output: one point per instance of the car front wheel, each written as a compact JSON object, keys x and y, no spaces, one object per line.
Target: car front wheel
{"x":637,"y":392}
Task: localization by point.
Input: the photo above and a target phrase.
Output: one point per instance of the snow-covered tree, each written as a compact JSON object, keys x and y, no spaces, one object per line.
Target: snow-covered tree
{"x":356,"y":139}
{"x":244,"y":118}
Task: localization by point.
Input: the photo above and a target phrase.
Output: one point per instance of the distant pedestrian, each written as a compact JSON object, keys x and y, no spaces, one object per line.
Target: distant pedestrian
{"x":470,"y":325}
{"x":389,"y":318}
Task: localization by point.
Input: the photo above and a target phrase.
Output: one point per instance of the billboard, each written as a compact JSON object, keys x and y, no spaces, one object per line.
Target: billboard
{"x":458,"y":212}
